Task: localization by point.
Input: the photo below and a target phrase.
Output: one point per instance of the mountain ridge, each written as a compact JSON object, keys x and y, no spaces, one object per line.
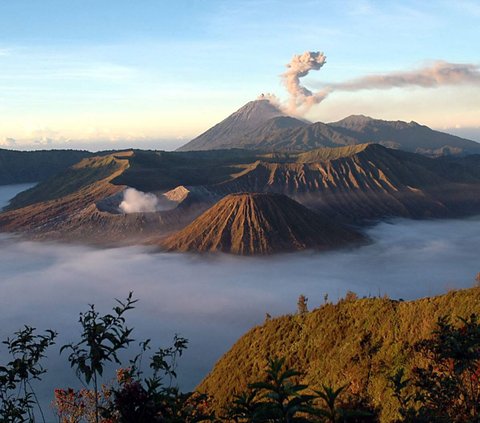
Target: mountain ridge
{"x":363,"y":182}
{"x":34,"y":166}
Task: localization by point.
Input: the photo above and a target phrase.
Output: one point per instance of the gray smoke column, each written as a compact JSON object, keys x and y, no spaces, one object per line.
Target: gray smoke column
{"x":438,"y":74}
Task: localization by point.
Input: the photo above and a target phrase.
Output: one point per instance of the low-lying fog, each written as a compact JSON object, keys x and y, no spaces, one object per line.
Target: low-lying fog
{"x":213,"y":300}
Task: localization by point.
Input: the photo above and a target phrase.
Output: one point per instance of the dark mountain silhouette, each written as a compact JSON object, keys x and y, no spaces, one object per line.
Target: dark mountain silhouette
{"x":33,"y":166}
{"x":299,"y":138}
{"x":260,"y":125}
{"x":401,"y":135}
{"x":255,"y":223}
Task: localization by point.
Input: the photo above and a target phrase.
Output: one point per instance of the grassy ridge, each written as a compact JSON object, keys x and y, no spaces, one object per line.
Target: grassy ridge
{"x":359,"y":342}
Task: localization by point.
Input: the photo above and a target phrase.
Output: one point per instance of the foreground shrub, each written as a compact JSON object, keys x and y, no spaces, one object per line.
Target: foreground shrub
{"x":102,"y":337}
{"x":447,"y":387}
{"x":444,"y":386}
{"x":155,"y":398}
{"x":281,"y":398}
{"x":17,"y":397}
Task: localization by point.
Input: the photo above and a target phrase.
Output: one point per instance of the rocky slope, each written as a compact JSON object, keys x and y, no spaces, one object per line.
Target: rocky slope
{"x":251,"y":224}
{"x":250,"y":117}
{"x":75,"y":206}
{"x":364,"y":182}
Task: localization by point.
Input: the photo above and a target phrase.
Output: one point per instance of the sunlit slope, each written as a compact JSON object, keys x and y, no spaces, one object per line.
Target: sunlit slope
{"x":331,"y":345}
{"x":229,"y":132}
{"x":79,"y":176}
{"x":251,"y":224}
{"x":81,"y":203}
{"x":143,"y":170}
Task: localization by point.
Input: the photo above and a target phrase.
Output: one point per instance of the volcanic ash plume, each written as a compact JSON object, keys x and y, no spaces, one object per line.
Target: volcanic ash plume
{"x":300,"y":66}
{"x":440,"y":73}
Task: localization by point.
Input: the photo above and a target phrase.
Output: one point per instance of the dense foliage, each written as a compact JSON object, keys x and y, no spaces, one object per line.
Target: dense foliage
{"x":446,"y":388}
{"x":17,"y":397}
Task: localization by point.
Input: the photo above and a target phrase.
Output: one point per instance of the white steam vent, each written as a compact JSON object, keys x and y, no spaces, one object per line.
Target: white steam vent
{"x":135,"y":201}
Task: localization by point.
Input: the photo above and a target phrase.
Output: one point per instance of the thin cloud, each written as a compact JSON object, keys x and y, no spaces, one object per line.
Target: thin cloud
{"x":8,"y":142}
{"x":79,"y":71}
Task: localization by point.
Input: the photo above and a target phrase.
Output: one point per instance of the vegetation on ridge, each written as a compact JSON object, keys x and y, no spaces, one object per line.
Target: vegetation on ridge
{"x":362,"y":342}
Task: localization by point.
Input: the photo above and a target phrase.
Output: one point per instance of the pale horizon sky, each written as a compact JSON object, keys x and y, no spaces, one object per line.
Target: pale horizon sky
{"x":154,"y":74}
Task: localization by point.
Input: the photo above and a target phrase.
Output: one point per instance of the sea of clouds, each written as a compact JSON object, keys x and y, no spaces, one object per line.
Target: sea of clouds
{"x":213,"y":300}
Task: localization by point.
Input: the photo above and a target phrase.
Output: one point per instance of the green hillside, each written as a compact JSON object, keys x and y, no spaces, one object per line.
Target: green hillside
{"x":360,"y":342}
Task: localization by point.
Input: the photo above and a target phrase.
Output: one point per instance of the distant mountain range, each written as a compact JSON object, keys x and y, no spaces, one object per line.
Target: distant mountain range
{"x":260,"y":125}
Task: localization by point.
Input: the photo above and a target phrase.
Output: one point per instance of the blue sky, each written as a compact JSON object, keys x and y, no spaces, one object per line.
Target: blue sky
{"x":154,"y":73}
